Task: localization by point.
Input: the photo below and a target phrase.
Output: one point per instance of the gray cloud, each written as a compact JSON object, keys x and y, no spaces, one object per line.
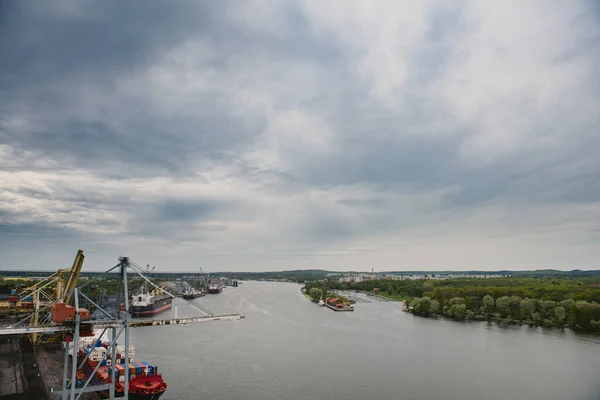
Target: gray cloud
{"x":300,"y":134}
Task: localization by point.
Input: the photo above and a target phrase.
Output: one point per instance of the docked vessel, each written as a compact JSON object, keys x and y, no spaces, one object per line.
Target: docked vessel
{"x":147,"y":303}
{"x":191,"y":294}
{"x":145,"y":383}
{"x":215,"y":288}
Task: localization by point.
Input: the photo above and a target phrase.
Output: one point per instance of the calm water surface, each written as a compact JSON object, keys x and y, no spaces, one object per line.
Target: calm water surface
{"x":289,"y":348}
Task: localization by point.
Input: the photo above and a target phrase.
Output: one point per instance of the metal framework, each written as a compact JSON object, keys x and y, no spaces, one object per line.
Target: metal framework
{"x":118,"y":324}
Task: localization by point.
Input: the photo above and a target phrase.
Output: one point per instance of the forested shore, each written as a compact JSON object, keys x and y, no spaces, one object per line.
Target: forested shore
{"x":547,"y":301}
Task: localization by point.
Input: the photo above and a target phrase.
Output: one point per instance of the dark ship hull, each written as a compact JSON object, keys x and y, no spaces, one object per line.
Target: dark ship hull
{"x":192,"y":296}
{"x":158,"y":304}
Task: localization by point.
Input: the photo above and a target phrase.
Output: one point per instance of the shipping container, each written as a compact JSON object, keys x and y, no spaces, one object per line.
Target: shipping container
{"x":84,"y":313}
{"x":147,"y":367}
{"x":61,"y":312}
{"x":131,"y":369}
{"x":139,"y":367}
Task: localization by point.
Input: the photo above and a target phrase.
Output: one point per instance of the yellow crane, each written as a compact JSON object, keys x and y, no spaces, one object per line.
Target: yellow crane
{"x":36,"y":291}
{"x":73,"y":276}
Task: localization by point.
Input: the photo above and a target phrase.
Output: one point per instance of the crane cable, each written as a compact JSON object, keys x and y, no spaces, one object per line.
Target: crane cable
{"x":140,"y":271}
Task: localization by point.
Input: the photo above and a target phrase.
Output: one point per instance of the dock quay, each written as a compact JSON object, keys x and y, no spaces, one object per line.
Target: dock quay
{"x":28,"y":373}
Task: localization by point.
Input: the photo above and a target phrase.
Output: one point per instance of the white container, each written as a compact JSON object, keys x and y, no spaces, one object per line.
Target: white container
{"x":121,"y":351}
{"x":97,"y":353}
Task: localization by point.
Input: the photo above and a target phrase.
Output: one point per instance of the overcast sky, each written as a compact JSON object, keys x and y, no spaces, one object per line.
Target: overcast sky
{"x":271,"y":135}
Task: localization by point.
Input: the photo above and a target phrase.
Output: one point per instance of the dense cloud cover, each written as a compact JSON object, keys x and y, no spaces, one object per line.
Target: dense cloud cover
{"x":269,"y":135}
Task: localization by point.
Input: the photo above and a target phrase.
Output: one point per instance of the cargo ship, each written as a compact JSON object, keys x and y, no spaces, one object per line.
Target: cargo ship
{"x":147,"y":303}
{"x":215,"y":288}
{"x":145,"y":383}
{"x":191,"y":294}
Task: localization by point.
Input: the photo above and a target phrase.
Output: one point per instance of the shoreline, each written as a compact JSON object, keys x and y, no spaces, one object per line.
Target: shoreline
{"x":507,"y":322}
{"x":492,"y":319}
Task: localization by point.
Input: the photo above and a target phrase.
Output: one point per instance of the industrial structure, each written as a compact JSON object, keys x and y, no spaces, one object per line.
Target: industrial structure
{"x":71,"y":322}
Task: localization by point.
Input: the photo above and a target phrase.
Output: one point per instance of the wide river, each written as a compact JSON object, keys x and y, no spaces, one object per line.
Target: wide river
{"x":289,"y":348}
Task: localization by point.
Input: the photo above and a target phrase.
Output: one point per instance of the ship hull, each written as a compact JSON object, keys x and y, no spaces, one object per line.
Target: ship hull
{"x":192,"y":296}
{"x":215,"y":291}
{"x":137,"y":396}
{"x":134,"y":396}
{"x":157,"y":306}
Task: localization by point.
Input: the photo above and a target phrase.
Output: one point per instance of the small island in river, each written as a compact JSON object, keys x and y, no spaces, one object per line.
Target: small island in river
{"x":323,"y":298}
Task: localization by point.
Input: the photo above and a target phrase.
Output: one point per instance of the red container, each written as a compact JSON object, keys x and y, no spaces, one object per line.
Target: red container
{"x":62,"y":312}
{"x":84,"y":313}
{"x":121,"y":370}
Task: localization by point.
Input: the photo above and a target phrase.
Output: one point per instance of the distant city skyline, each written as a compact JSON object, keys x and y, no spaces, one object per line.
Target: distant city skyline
{"x":269,"y":136}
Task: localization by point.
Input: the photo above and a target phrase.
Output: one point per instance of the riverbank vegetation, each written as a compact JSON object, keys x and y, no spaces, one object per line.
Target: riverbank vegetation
{"x":548,"y":301}
{"x":320,"y":291}
{"x":536,"y":301}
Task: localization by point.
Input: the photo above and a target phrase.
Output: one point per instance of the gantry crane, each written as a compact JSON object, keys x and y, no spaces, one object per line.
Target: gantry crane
{"x":37,"y":292}
{"x":119,"y":323}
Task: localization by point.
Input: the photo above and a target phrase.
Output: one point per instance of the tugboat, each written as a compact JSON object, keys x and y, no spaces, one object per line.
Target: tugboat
{"x":146,"y":303}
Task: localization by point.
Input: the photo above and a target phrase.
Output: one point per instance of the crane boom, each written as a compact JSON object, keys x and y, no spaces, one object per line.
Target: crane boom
{"x":28,"y":291}
{"x":74,"y":275}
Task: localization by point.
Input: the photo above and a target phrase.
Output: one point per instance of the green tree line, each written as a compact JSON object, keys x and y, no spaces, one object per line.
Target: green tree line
{"x":547,"y":288}
{"x":572,"y":301}
{"x":321,"y":290}
{"x":580,"y":313}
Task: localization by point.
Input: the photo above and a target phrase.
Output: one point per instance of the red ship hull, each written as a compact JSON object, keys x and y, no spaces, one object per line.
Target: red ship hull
{"x":147,"y":385}
{"x":145,"y":388}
